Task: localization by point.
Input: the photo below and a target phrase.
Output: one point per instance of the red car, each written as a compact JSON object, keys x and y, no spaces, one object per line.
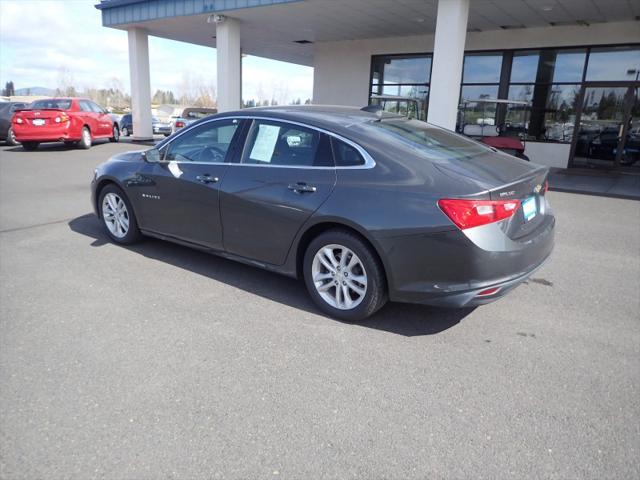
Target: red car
{"x":74,"y":121}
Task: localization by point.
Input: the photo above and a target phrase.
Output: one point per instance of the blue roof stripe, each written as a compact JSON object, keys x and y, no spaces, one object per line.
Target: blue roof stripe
{"x":120,"y":12}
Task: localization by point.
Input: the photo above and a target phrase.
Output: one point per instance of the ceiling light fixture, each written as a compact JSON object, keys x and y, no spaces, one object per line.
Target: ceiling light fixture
{"x":216,"y":18}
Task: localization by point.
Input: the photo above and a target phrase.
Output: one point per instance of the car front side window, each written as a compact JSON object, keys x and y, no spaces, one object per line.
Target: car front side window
{"x":283,"y":144}
{"x":96,"y":108}
{"x":85,"y":106}
{"x":206,"y":143}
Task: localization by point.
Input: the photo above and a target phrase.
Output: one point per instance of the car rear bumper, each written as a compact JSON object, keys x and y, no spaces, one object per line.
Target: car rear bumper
{"x":474,"y":297}
{"x":162,"y":130}
{"x":452,"y":269}
{"x":47,"y":133}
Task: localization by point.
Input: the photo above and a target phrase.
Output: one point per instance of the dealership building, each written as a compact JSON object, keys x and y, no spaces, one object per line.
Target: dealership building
{"x":572,"y":67}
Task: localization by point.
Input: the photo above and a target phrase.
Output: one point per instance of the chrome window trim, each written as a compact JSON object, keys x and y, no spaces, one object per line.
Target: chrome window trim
{"x":369,"y":162}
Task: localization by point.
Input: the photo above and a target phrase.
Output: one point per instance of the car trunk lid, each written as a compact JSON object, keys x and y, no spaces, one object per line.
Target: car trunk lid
{"x":497,"y":176}
{"x":40,"y":117}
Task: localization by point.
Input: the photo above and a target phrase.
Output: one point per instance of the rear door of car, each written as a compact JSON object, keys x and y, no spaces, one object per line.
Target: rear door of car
{"x":286,"y":171}
{"x":179,"y":194}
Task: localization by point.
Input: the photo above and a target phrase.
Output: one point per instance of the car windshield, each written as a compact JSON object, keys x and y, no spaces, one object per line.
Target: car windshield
{"x":62,"y":104}
{"x":429,"y":141}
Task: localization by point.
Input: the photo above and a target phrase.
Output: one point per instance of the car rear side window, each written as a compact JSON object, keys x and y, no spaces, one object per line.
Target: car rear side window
{"x":271,"y":142}
{"x":61,"y":104}
{"x":85,"y":106}
{"x":345,"y":155}
{"x":207,"y":143}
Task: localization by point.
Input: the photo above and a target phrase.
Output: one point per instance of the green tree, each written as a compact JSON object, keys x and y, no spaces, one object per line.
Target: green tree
{"x":8,"y":90}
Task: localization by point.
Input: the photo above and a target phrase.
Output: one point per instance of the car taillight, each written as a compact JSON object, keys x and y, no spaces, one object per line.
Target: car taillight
{"x":488,"y":291}
{"x":545,"y":187}
{"x":61,"y":118}
{"x":18,"y":120}
{"x":474,"y":213}
{"x":179,"y":124}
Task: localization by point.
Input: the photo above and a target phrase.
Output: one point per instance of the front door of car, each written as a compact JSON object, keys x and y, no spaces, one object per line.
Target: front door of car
{"x":285,"y":173}
{"x":89,"y":117}
{"x":103,"y":120}
{"x":180,"y":199}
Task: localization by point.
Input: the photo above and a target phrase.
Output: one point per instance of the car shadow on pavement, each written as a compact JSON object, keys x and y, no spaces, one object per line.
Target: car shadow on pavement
{"x":402,"y":319}
{"x":53,"y":147}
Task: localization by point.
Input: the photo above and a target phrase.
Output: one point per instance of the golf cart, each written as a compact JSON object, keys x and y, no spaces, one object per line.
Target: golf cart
{"x":501,"y":124}
{"x":405,"y":106}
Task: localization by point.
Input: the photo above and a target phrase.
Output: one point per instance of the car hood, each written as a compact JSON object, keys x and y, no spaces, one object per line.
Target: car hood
{"x":129,"y":156}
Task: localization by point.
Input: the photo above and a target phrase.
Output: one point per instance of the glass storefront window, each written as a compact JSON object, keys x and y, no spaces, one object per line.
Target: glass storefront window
{"x":522,"y":93}
{"x":404,"y":76}
{"x":414,"y":69}
{"x":482,"y":68}
{"x":413,"y":91}
{"x":479,"y":92}
{"x":568,"y":66}
{"x":524,"y":67}
{"x":560,"y":113}
{"x":550,"y":81}
{"x":621,"y":63}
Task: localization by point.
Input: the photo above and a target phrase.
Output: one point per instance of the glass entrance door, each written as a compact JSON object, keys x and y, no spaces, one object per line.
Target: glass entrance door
{"x":608,"y":130}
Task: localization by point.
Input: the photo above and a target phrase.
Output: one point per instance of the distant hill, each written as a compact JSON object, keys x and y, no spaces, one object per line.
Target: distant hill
{"x":35,"y":91}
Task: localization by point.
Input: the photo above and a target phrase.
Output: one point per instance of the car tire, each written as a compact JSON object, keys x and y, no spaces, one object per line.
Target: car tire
{"x":117,"y":215}
{"x":116,"y":134}
{"x":350,"y":255}
{"x":11,"y":138}
{"x":125,"y":132}
{"x":30,"y":146}
{"x":85,"y":139}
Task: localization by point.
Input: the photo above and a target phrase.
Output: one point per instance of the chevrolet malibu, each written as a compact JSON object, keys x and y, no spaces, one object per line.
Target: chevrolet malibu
{"x":364,"y":207}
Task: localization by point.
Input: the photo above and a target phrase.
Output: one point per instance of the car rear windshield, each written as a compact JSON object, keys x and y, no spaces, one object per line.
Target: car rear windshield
{"x":196,"y":114}
{"x":433,"y":142}
{"x":62,"y":104}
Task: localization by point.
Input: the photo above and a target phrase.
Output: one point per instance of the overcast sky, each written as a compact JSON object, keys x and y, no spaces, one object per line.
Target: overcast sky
{"x":39,"y":38}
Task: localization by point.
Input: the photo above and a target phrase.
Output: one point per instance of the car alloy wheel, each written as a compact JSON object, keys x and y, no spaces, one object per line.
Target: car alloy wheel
{"x":116,"y":134}
{"x":115,"y":215}
{"x":11,"y":138}
{"x":339,"y":276}
{"x":85,"y":139}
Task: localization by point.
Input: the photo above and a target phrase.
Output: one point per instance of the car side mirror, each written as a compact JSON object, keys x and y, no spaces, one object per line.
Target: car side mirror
{"x":152,"y":155}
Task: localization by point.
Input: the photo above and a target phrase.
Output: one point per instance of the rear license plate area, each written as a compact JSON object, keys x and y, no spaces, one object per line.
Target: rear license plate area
{"x":38,"y":122}
{"x":529,"y":208}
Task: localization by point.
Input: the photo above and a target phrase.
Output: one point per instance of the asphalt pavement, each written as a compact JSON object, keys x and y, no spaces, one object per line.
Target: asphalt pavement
{"x":157,"y":361}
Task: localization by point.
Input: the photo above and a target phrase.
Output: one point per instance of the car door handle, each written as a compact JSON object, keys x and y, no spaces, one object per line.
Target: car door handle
{"x":206,"y":178}
{"x":301,"y":187}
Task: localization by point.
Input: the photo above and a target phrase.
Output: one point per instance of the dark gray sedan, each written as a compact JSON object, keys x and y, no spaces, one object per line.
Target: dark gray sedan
{"x":364,"y":208}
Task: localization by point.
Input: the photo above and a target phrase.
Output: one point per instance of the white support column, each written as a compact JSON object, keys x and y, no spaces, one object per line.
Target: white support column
{"x":140,"y":84}
{"x":448,"y":56}
{"x":229,"y":63}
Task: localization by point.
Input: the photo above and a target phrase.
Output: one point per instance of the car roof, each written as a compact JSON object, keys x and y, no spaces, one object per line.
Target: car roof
{"x":331,"y":117}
